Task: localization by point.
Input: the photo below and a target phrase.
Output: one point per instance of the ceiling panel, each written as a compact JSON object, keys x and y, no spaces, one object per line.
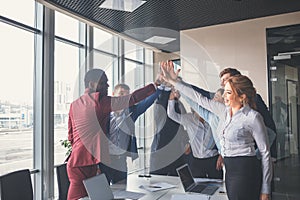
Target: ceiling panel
{"x":168,"y":17}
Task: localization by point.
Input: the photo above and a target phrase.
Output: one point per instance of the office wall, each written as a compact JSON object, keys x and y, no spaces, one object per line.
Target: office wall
{"x":206,"y":51}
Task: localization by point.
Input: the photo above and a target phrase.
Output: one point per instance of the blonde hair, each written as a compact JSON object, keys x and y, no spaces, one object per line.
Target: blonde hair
{"x":240,"y":85}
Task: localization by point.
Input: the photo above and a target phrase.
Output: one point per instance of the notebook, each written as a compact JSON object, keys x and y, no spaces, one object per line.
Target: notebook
{"x":98,"y":188}
{"x":189,"y":184}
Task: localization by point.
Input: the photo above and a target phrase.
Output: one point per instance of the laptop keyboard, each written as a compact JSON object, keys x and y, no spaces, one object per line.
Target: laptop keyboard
{"x":198,"y":188}
{"x":204,"y":189}
{"x":210,"y":190}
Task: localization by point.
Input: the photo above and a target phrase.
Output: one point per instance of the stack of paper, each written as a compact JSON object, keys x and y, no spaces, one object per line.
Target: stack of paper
{"x":123,"y":194}
{"x":190,"y":197}
{"x":157,"y":186}
{"x":208,"y":180}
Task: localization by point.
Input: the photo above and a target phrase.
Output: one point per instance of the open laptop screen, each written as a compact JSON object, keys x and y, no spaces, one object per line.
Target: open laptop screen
{"x":185,"y":176}
{"x":98,"y":188}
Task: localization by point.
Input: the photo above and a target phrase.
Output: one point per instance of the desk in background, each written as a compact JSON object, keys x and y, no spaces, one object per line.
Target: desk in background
{"x":134,"y":182}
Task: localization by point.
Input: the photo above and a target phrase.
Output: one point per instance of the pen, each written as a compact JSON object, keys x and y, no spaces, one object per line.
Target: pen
{"x":154,"y":186}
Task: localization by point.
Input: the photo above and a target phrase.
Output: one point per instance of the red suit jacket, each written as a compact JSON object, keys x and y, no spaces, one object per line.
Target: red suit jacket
{"x":88,"y":121}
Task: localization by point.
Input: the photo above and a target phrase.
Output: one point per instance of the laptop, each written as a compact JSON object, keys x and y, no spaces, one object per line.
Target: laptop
{"x":98,"y":188}
{"x":189,"y":184}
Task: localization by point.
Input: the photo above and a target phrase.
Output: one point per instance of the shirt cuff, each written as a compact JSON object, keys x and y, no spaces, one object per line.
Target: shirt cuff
{"x":161,"y":87}
{"x":168,"y":88}
{"x":265,"y":188}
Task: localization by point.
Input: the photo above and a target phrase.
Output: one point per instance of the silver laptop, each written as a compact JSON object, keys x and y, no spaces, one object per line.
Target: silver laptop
{"x":98,"y":188}
{"x":189,"y":183}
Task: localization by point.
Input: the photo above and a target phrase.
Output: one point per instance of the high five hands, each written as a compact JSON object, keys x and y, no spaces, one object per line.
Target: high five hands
{"x":168,"y":73}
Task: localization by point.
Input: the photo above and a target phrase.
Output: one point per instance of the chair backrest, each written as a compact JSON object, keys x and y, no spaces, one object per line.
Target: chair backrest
{"x":62,"y":181}
{"x":16,"y":185}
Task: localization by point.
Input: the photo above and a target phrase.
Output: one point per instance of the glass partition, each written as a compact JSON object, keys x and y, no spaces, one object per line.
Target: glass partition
{"x":284,"y":73}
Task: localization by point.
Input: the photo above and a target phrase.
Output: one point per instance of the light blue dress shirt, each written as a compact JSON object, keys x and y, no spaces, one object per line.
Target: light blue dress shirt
{"x":209,"y":117}
{"x":200,"y":135}
{"x":239,"y":133}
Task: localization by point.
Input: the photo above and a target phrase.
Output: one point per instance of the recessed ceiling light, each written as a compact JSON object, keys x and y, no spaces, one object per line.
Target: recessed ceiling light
{"x":159,"y":40}
{"x":123,"y":5}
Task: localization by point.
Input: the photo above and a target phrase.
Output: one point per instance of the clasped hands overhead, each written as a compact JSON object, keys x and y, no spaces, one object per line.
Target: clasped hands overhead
{"x":167,"y":75}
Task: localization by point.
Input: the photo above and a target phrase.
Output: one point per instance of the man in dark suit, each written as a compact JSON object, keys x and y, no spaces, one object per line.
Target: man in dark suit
{"x":170,"y":139}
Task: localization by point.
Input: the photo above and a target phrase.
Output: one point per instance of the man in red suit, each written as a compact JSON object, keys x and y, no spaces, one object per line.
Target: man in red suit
{"x":88,"y":126}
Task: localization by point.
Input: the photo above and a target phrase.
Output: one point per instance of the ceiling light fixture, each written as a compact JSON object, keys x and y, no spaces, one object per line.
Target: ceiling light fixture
{"x":159,"y":40}
{"x":123,"y":5}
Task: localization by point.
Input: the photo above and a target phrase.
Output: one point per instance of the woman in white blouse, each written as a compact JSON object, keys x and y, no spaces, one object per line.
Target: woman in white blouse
{"x":240,"y":129}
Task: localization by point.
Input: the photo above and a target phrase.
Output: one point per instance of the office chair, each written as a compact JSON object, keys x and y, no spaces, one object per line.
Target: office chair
{"x":62,"y":181}
{"x":16,"y":185}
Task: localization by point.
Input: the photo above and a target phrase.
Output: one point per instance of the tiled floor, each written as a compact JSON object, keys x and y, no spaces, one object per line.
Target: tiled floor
{"x":287,"y":179}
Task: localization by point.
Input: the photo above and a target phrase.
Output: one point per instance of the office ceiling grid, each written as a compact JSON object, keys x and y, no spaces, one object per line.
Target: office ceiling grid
{"x":175,"y":15}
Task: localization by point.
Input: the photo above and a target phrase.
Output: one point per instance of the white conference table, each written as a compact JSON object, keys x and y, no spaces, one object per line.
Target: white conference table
{"x":134,"y":182}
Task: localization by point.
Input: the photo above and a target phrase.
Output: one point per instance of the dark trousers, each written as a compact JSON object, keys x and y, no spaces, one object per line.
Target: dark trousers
{"x":205,"y":167}
{"x":243,"y":177}
{"x":117,"y":169}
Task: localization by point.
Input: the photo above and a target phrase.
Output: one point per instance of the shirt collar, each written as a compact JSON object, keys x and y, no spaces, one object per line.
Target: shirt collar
{"x":124,"y":111}
{"x":245,"y":109}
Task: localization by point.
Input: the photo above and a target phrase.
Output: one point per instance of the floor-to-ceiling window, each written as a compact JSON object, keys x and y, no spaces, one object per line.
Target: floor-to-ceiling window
{"x":16,"y":80}
{"x":68,"y":47}
{"x":23,"y":60}
{"x":134,"y":76}
{"x":104,"y":55}
{"x":16,"y":118}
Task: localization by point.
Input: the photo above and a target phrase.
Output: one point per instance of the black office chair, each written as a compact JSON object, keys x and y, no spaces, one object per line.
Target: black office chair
{"x":62,"y":181}
{"x":16,"y":185}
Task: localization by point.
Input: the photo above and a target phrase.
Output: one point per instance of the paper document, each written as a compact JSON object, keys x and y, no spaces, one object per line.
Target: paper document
{"x":208,"y":180}
{"x":123,"y":194}
{"x":85,"y":198}
{"x":190,"y":197}
{"x":157,"y":186}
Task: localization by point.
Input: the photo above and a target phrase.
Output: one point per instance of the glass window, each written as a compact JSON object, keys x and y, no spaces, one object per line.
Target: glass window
{"x":66,"y":89}
{"x":133,"y":51}
{"x":134,"y":77}
{"x":21,"y":11}
{"x":108,"y":64}
{"x":66,"y":27}
{"x":103,"y":41}
{"x":16,"y":99}
{"x":134,"y":74}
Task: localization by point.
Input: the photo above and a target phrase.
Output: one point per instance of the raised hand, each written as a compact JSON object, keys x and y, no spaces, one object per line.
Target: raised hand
{"x":158,"y":81}
{"x":169,"y":75}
